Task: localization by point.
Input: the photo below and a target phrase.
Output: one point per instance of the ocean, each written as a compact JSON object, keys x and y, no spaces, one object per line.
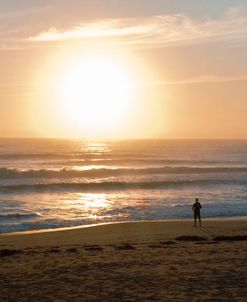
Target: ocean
{"x":52,"y":183}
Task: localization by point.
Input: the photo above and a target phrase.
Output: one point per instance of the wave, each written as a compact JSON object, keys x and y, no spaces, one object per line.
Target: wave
{"x":147,"y":161}
{"x":6,"y":173}
{"x":112,"y":185}
{"x":113,"y":158}
{"x":82,"y":156}
{"x":31,"y":156}
{"x":19,"y":216}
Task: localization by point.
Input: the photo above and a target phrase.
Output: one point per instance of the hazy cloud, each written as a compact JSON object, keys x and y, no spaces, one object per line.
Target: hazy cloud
{"x":156,"y":30}
{"x":101,"y":29}
{"x":204,"y":79}
{"x":16,"y":13}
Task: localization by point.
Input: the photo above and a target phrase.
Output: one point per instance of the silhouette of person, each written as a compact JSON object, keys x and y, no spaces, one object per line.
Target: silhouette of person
{"x":197,"y":211}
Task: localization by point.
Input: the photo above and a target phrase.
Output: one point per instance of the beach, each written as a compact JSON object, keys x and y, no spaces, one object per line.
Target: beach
{"x":129,"y":261}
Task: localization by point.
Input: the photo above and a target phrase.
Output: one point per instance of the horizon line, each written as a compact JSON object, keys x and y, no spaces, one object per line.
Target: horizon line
{"x":121,"y":139}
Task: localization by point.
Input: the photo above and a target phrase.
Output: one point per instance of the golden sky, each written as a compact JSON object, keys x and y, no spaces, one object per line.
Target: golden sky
{"x":123,"y":69}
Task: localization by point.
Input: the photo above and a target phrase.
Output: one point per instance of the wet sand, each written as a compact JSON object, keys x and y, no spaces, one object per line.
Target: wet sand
{"x":135,"y":261}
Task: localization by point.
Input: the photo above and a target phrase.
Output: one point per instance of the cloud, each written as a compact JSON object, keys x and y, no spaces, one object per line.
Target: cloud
{"x":164,"y":30}
{"x":101,"y":29}
{"x":203,"y":79}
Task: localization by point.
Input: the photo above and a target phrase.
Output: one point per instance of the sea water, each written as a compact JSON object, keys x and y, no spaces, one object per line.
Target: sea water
{"x":47,"y":183}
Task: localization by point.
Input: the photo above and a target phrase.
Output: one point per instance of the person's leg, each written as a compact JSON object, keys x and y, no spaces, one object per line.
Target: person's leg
{"x":195,"y":219}
{"x":199,"y":218}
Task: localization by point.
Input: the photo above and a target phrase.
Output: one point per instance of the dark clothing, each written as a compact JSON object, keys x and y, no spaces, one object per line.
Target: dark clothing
{"x":197,"y":207}
{"x":197,"y":215}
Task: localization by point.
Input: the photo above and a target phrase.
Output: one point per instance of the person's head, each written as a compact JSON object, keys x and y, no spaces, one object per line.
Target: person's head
{"x":197,"y":199}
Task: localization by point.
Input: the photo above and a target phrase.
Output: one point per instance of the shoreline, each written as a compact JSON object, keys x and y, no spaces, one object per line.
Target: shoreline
{"x":28,"y":232}
{"x":134,"y":231}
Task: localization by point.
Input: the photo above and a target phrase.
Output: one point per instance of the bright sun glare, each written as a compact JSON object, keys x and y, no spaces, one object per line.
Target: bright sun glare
{"x":96,"y":92}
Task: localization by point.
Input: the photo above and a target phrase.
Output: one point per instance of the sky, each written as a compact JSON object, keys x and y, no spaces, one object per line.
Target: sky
{"x":177,"y":68}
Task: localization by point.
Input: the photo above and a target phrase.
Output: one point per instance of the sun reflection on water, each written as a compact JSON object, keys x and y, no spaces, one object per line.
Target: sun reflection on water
{"x":91,"y":167}
{"x":96,"y":148}
{"x":90,"y":205}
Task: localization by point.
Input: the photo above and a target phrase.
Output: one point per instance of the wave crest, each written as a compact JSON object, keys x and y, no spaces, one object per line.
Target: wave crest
{"x":111,"y":186}
{"x":6,"y":173}
{"x":19,"y":216}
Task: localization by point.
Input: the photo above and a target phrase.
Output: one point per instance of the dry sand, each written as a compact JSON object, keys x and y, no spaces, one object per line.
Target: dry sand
{"x":136,"y":261}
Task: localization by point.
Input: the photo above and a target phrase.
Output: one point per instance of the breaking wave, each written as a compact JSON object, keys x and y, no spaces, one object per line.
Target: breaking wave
{"x":112,"y":185}
{"x":6,"y":173}
{"x":19,"y":216}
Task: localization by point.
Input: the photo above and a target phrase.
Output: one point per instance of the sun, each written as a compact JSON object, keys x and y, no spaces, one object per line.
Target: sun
{"x":96,"y":92}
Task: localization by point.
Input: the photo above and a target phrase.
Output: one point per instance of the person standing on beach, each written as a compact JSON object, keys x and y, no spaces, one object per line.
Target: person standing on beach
{"x":197,"y":211}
